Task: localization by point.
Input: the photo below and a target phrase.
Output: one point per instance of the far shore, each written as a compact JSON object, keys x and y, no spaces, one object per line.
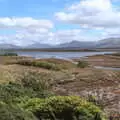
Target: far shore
{"x":63,"y":50}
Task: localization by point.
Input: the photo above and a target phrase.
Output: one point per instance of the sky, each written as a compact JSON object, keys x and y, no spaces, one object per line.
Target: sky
{"x":25,"y":22}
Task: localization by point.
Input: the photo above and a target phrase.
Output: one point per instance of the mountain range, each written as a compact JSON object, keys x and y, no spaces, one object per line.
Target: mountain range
{"x":39,"y":45}
{"x":109,"y":43}
{"x":77,"y":44}
{"x":8,"y":46}
{"x":105,"y":43}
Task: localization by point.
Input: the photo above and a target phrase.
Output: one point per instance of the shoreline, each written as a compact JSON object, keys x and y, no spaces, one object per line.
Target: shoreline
{"x":63,"y":50}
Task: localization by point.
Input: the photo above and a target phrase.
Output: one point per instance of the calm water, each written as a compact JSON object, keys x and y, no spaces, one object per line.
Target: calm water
{"x":65,"y":55}
{"x":107,"y":68}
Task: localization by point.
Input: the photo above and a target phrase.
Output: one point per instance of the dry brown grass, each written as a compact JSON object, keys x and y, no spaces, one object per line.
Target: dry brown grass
{"x":103,"y":60}
{"x":12,"y":59}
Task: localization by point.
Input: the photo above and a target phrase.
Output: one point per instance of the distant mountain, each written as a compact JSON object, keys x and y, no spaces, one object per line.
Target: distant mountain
{"x":109,"y":43}
{"x":78,"y":44}
{"x":8,"y":46}
{"x":39,"y":46}
{"x":105,"y":43}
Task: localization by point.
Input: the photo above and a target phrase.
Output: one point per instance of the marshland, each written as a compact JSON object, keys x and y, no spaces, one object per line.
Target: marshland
{"x":33,"y":87}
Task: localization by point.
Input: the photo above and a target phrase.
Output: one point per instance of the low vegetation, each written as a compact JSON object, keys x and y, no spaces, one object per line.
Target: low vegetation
{"x":8,"y":54}
{"x":29,"y":84}
{"x":63,"y":108}
{"x":82,"y":64}
{"x":116,"y":54}
{"x":29,"y":98}
{"x":30,"y":93}
{"x":41,"y":64}
{"x":11,"y":112}
{"x":50,"y":64}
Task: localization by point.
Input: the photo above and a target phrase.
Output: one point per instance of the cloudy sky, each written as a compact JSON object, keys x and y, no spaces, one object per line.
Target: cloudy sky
{"x":23,"y":22}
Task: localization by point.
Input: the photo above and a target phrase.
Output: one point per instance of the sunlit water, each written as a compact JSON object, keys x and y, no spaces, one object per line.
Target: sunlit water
{"x":65,"y":55}
{"x":107,"y":68}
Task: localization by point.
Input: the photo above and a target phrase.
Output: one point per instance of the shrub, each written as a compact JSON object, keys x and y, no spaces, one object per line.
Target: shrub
{"x":9,"y":54}
{"x":38,"y":82}
{"x":29,"y":85}
{"x":46,"y":65}
{"x":10,"y":112}
{"x":63,"y":108}
{"x":116,"y":54}
{"x":12,"y":91}
{"x":82,"y":64}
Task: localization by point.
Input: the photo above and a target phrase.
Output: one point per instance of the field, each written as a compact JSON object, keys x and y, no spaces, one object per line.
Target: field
{"x":68,"y":78}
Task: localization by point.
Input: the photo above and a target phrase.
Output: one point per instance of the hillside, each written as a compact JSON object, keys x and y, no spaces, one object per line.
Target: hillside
{"x":105,"y":43}
{"x":8,"y":46}
{"x":109,"y":43}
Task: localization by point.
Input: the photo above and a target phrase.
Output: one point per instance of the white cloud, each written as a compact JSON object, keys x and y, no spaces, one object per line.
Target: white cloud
{"x":91,"y":13}
{"x":26,"y":22}
{"x":61,"y":36}
{"x":28,"y":30}
{"x":27,"y":37}
{"x":99,"y":18}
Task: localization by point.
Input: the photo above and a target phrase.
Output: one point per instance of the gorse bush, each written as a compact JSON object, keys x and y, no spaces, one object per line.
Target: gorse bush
{"x":82,"y":64}
{"x":9,"y":92}
{"x":11,"y":112}
{"x":29,"y":85}
{"x":63,"y":108}
{"x":40,"y":83}
{"x":34,"y":80}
